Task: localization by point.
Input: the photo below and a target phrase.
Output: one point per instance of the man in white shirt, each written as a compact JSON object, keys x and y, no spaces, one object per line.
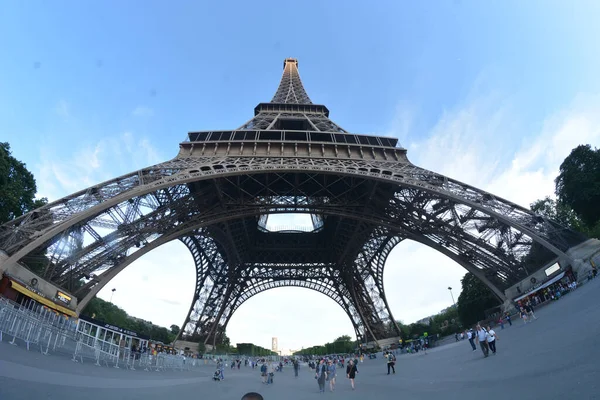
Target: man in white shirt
{"x":482,"y":339}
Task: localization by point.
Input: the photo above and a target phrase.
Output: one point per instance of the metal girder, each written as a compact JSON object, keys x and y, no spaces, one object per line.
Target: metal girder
{"x":290,"y":88}
{"x":484,"y":240}
{"x":362,"y":193}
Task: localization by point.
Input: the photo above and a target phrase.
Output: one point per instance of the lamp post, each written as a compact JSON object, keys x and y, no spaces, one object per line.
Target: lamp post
{"x":112,"y":294}
{"x":450,"y":289}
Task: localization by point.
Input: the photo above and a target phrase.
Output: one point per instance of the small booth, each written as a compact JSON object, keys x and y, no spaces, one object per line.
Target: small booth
{"x":543,"y":291}
{"x":27,"y":295}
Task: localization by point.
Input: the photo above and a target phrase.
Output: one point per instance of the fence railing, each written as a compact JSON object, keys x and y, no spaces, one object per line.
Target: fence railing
{"x":34,"y":325}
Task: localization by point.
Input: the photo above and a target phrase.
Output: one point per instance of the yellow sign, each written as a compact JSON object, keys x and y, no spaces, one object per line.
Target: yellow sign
{"x":65,"y":298}
{"x":20,"y":288}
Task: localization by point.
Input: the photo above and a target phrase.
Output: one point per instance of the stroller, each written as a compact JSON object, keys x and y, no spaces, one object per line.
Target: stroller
{"x":217,"y":375}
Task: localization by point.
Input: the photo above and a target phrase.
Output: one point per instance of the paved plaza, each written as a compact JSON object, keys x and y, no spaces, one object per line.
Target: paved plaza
{"x":554,"y":357}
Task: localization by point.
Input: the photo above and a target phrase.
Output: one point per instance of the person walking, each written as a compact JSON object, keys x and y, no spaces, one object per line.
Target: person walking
{"x":271,"y":377}
{"x":263,"y":373}
{"x":491,"y":339}
{"x":391,"y":361}
{"x":508,"y":318}
{"x":523,"y":315}
{"x":331,"y":373}
{"x":296,"y":367}
{"x":351,"y":372}
{"x":470,"y":336}
{"x":482,"y":339}
{"x":221,"y":367}
{"x":321,"y":375}
{"x":529,"y":309}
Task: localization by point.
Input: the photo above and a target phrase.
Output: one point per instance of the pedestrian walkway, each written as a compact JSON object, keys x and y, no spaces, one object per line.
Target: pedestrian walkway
{"x":550,"y":358}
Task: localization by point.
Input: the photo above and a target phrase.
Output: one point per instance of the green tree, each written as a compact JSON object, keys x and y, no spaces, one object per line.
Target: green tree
{"x":417,"y":330}
{"x":343,"y":338}
{"x":474,"y":299}
{"x":17,"y":187}
{"x":174,"y":329}
{"x":578,"y":183}
{"x":224,"y":344}
{"x":557,"y":211}
{"x":250,"y":349}
{"x":110,"y":313}
{"x":446,"y":322}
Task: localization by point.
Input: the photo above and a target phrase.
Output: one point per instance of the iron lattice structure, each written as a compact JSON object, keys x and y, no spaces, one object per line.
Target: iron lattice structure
{"x":363,"y":194}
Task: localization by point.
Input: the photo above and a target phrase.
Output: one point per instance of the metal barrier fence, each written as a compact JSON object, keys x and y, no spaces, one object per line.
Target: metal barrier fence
{"x":107,"y":353}
{"x":37,"y":325}
{"x":162,"y":362}
{"x":34,"y":324}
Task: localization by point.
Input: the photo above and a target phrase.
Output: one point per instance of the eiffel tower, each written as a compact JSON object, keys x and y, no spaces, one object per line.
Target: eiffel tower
{"x":362,"y":193}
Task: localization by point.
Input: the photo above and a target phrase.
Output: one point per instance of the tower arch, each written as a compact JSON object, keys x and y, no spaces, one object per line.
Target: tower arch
{"x":289,"y":157}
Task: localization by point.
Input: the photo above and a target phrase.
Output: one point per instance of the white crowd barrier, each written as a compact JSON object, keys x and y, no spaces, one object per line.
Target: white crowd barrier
{"x":35,"y":325}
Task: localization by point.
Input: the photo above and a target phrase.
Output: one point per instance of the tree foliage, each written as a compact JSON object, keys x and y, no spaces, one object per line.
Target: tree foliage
{"x":557,"y":211}
{"x":174,"y":329}
{"x":110,"y":313}
{"x":17,"y":187}
{"x":252,"y":350}
{"x":444,"y":323}
{"x":201,"y":348}
{"x":578,"y":183}
{"x":342,"y":345}
{"x":475,"y":298}
{"x":224,"y":344}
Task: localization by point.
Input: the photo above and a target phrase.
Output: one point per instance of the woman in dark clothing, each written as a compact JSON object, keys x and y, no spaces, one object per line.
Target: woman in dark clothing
{"x":321,"y":375}
{"x":351,"y":372}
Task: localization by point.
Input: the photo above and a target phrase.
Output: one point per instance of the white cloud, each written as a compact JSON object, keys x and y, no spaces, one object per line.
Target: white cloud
{"x":416,"y":280}
{"x":534,"y":167}
{"x":92,"y":163}
{"x":141,"y":111}
{"x":466,"y":144}
{"x":164,"y":297}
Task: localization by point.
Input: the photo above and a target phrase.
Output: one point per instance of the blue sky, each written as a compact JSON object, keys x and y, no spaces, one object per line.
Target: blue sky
{"x":494,"y":93}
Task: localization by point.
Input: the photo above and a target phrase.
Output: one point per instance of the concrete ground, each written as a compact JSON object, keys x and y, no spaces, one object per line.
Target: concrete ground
{"x":554,"y":357}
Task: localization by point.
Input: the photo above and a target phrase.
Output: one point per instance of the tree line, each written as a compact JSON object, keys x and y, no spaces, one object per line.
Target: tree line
{"x":252,"y":350}
{"x":445,"y":323}
{"x":114,"y":315}
{"x":342,"y":345}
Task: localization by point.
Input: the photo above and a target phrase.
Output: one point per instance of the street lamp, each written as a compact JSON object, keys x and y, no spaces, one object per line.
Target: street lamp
{"x":450,"y":289}
{"x":112,"y":294}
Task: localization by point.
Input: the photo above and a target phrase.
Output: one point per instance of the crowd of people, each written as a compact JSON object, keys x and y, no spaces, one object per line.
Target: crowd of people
{"x":481,"y":335}
{"x":326,"y":370}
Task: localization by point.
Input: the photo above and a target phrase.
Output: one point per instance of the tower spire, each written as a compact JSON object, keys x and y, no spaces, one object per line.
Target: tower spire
{"x":290,"y":89}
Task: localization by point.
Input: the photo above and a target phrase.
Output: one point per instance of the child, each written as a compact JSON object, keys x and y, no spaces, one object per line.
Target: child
{"x":217,"y":375}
